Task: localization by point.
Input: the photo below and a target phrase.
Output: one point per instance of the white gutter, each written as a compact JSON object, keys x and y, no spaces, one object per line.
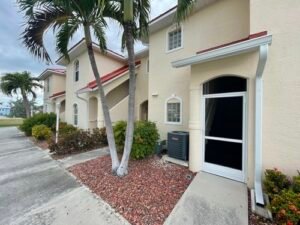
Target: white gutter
{"x":224,"y":52}
{"x":263,"y":55}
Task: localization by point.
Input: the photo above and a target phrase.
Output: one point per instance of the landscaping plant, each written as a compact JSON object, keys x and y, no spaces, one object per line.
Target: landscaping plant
{"x":48,"y":119}
{"x":296,"y":183}
{"x":286,"y":207}
{"x":99,"y":136}
{"x":41,"y":132}
{"x":65,"y":128}
{"x":275,"y":181}
{"x":284,"y":195}
{"x":144,"y":138}
{"x":78,"y":141}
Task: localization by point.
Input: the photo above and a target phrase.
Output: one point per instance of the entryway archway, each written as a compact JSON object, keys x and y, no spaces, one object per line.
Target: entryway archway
{"x":93,"y":112}
{"x":224,"y":110}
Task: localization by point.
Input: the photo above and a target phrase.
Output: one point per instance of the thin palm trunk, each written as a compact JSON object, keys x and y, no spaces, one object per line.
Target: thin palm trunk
{"x":123,"y":169}
{"x":107,"y":119}
{"x":26,"y":104}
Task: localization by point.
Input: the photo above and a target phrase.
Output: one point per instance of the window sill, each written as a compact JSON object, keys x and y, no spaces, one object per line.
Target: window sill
{"x":174,"y":50}
{"x":174,"y":123}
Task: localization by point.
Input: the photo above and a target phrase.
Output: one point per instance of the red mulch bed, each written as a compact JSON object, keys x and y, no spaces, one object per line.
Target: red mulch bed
{"x":256,"y":219}
{"x":146,"y":195}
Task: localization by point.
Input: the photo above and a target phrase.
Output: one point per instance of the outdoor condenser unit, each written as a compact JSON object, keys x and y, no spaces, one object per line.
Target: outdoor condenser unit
{"x":178,"y":145}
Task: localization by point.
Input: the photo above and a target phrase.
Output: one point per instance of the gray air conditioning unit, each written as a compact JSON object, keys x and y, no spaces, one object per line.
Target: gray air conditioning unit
{"x":178,"y":145}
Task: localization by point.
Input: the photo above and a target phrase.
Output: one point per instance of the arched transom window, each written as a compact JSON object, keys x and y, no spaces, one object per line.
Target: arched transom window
{"x":76,"y":71}
{"x":173,"y":110}
{"x":75,"y":114}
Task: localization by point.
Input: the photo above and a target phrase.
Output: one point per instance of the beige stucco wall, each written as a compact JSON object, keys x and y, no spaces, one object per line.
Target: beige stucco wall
{"x":57,"y":84}
{"x":221,"y":22}
{"x":243,"y":66}
{"x":105,"y":65}
{"x":281,"y":112}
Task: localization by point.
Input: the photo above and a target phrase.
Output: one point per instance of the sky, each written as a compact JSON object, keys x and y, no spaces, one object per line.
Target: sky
{"x":15,"y":58}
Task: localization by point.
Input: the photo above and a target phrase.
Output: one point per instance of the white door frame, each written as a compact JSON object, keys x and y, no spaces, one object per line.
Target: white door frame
{"x":234,"y":174}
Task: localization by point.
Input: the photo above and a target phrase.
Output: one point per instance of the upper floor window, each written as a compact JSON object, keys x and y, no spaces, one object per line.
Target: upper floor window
{"x":76,"y":71}
{"x":75,"y":114}
{"x":174,"y":110}
{"x":175,"y":38}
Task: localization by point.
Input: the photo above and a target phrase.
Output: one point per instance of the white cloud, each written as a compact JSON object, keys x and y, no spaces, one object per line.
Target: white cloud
{"x":14,"y":57}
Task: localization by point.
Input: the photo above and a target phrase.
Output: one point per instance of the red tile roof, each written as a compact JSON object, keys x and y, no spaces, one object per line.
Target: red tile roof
{"x":251,"y":36}
{"x":109,"y":76}
{"x":57,"y":94}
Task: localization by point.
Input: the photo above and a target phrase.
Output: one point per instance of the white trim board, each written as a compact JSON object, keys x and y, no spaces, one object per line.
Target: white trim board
{"x":224,"y":52}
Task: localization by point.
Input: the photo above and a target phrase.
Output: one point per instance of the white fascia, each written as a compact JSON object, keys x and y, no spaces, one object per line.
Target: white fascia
{"x":224,"y":52}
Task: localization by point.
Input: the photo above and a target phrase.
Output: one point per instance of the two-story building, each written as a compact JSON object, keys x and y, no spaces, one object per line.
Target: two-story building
{"x":228,"y":74}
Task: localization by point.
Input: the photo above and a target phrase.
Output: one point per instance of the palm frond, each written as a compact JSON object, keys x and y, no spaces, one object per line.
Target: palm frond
{"x":37,"y":25}
{"x":184,"y":8}
{"x":100,"y":35}
{"x":64,"y":35}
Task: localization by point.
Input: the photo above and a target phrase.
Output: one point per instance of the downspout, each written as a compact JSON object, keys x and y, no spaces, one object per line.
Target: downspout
{"x":263,"y":55}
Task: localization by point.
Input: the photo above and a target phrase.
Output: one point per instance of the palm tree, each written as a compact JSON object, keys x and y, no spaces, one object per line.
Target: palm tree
{"x":184,"y":8}
{"x":135,"y":25}
{"x":23,"y":83}
{"x":66,"y":17}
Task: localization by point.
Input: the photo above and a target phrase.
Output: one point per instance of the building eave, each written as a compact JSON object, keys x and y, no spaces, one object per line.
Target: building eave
{"x":224,"y":52}
{"x":48,"y":72}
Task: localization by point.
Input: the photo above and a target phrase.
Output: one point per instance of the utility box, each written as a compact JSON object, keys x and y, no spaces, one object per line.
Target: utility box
{"x":178,"y":145}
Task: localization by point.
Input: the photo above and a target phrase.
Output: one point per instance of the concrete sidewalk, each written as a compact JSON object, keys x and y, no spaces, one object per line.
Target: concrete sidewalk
{"x":83,"y":157}
{"x":36,"y":190}
{"x":211,"y":200}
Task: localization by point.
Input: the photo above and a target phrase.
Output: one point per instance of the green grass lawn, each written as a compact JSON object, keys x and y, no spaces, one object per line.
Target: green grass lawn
{"x":10,"y":122}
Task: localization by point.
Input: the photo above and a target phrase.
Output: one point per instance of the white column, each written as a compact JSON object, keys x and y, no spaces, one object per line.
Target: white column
{"x":100,"y":116}
{"x":195,"y":154}
{"x":57,"y":107}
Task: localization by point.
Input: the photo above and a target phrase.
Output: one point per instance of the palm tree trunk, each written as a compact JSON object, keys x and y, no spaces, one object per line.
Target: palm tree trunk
{"x":123,"y":169}
{"x":107,"y":119}
{"x":26,"y":104}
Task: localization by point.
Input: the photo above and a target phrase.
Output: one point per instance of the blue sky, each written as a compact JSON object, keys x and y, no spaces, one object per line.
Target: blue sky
{"x":14,"y":57}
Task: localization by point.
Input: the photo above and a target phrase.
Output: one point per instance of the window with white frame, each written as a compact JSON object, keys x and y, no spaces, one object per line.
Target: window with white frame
{"x":76,"y":71}
{"x":175,"y":38}
{"x":75,"y":114}
{"x":173,"y":110}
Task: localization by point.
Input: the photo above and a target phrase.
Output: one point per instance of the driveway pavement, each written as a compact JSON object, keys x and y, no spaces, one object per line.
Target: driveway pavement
{"x":35,"y":190}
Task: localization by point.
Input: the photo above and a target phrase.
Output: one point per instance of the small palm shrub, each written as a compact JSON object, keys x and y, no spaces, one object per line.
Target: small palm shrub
{"x":47,"y":119}
{"x":275,"y":181}
{"x":41,"y":132}
{"x":144,"y":138}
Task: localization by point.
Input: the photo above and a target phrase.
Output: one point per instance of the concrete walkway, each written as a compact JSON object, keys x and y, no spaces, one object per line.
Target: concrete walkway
{"x":36,"y":190}
{"x":83,"y":157}
{"x":211,"y":200}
